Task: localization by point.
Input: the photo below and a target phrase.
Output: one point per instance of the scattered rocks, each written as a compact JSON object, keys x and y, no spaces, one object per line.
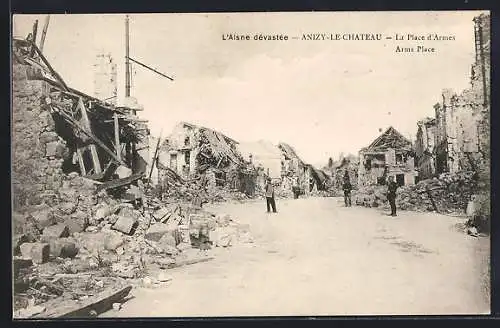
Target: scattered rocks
{"x":103,"y":211}
{"x":158,"y":230}
{"x":44,"y":218}
{"x":91,"y":229}
{"x":125,"y":224}
{"x":30,"y":311}
{"x":76,"y":224}
{"x":38,"y":252}
{"x":448,"y":193}
{"x":113,"y":242}
{"x":63,"y":248}
{"x":56,"y":231}
{"x":223,"y":237}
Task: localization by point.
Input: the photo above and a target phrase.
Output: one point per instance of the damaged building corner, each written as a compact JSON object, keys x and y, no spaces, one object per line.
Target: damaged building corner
{"x":198,"y":154}
{"x":69,"y":130}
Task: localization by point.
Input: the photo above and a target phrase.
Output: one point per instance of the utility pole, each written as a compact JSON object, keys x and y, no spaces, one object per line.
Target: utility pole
{"x":127,"y":61}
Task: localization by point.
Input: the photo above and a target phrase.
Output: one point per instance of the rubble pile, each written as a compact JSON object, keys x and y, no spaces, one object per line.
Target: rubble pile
{"x":448,"y":193}
{"x":91,"y":239}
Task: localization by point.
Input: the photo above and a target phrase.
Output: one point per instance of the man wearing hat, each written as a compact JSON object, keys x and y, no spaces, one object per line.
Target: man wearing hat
{"x":270,"y":196}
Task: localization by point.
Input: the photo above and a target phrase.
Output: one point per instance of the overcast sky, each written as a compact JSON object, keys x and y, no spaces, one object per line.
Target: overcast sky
{"x":322,"y":97}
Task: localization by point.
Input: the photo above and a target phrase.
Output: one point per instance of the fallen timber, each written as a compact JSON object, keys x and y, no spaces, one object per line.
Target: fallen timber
{"x":90,"y":307}
{"x":59,"y":99}
{"x":119,"y":182}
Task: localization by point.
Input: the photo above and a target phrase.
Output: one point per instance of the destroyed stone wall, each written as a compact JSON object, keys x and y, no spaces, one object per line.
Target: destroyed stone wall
{"x":448,"y":193}
{"x":38,"y":152}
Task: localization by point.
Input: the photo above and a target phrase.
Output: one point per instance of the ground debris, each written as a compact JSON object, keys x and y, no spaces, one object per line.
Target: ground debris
{"x":447,"y":194}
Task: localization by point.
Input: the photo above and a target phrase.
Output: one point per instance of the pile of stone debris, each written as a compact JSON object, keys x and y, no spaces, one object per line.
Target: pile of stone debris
{"x":83,"y":242}
{"x":448,"y":193}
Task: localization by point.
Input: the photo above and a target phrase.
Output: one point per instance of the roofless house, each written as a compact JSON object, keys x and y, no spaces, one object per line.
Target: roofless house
{"x":391,"y":154}
{"x":102,"y":140}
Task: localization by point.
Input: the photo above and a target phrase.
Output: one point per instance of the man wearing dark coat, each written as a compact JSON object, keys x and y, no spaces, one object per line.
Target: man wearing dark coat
{"x":347,"y":187}
{"x":391,"y":194}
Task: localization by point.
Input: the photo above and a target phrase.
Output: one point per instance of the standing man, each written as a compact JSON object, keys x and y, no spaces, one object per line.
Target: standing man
{"x":391,"y":194}
{"x":295,"y":187}
{"x":270,"y":196}
{"x":347,"y":187}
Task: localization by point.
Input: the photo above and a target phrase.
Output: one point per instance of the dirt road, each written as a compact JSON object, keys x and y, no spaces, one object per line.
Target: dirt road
{"x":316,"y":257}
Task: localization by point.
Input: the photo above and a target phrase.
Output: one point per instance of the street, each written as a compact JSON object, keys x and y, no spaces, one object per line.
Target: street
{"x":316,"y":257}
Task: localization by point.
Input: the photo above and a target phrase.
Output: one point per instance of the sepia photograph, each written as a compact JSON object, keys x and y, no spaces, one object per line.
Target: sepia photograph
{"x":250,"y":164}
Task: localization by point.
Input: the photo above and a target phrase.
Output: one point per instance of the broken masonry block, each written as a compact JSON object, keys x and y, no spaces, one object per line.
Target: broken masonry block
{"x":75,"y":225}
{"x":167,"y":239}
{"x":51,"y":149}
{"x":103,"y":211}
{"x":125,"y":224}
{"x":44,"y":218}
{"x":38,"y":252}
{"x":63,"y":248}
{"x":48,"y":136}
{"x":113,"y":241}
{"x":158,"y":230}
{"x":57,"y":231}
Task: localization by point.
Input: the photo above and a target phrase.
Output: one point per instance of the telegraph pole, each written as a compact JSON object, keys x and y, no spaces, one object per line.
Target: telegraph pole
{"x":127,"y":61}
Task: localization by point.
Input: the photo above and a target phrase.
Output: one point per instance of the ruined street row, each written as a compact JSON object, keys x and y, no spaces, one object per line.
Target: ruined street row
{"x":103,"y":209}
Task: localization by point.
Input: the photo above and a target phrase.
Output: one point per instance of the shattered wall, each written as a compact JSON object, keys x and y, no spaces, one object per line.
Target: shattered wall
{"x":179,"y":150}
{"x":105,"y":83}
{"x":425,"y":148}
{"x":462,"y":121}
{"x":38,"y":152}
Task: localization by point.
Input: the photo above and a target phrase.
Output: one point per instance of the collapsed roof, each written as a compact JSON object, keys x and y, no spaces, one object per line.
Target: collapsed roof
{"x":94,"y":129}
{"x":289,"y":152}
{"x":391,"y":138}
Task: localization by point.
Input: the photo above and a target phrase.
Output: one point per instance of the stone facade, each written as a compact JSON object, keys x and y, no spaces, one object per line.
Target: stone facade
{"x":425,"y":148}
{"x":38,"y":152}
{"x":180,"y":149}
{"x":463,"y":120}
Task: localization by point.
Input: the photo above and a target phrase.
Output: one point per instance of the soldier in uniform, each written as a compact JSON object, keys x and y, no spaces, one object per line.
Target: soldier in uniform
{"x":391,"y":194}
{"x":347,"y":187}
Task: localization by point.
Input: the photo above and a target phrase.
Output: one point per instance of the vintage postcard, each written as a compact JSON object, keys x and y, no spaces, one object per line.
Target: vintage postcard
{"x":251,"y":164}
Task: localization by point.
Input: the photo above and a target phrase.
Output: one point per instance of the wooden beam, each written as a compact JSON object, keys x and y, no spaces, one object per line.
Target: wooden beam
{"x":188,"y":262}
{"x":119,"y":182}
{"x":73,"y":122}
{"x":81,"y":162}
{"x":117,"y":137}
{"x":33,"y":37}
{"x":93,"y":151}
{"x":155,"y":157}
{"x":97,"y":304}
{"x":52,"y":71}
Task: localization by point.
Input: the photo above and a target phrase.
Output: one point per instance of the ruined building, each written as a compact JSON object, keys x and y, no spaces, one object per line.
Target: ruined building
{"x":282,"y":164}
{"x":391,"y":154}
{"x":191,"y":151}
{"x":425,"y":147}
{"x":58,"y":130}
{"x":308,"y":177}
{"x":349,"y":164}
{"x":457,"y":138}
